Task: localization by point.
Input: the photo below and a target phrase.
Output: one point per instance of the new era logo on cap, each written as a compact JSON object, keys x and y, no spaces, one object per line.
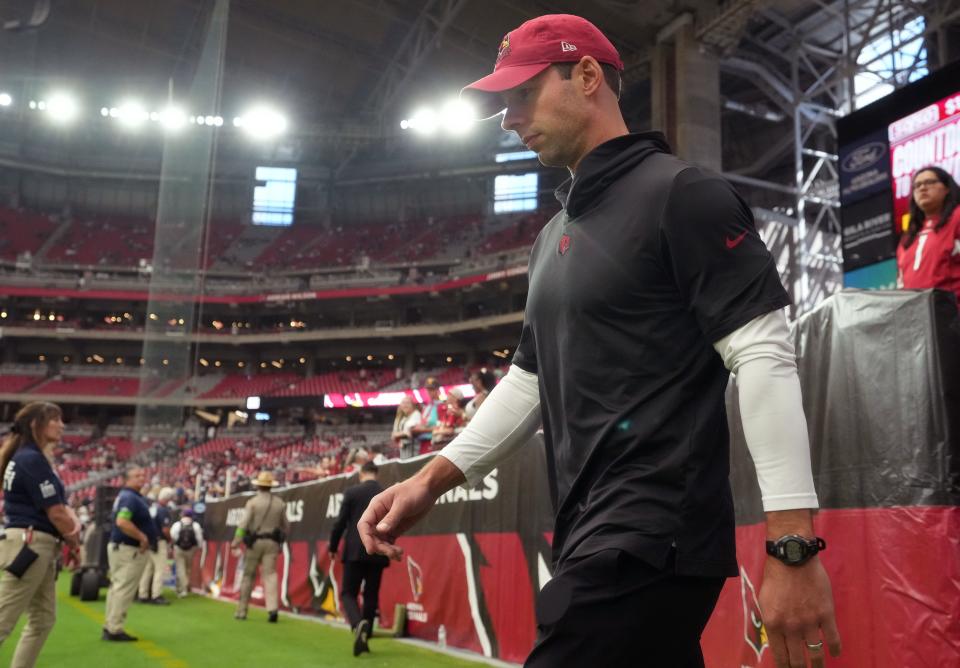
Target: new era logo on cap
{"x":531,"y":48}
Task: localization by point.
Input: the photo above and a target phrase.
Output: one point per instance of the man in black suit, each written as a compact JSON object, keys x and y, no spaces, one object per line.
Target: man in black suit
{"x":358,"y":566}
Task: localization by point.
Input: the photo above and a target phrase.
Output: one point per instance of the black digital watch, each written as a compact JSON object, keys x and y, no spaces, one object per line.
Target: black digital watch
{"x":794,"y":550}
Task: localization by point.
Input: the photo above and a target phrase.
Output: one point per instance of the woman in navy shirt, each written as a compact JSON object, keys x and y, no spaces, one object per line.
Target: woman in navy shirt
{"x":37,"y":521}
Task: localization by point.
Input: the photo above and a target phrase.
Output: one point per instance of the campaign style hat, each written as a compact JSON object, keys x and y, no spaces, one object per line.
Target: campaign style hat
{"x":532,"y":48}
{"x":264,"y":479}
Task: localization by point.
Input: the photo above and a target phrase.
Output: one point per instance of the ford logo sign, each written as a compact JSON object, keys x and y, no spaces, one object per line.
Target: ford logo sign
{"x":864,"y":156}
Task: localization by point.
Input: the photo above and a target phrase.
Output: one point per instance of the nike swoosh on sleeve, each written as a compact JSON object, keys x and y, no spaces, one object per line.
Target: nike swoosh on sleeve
{"x":733,"y":243}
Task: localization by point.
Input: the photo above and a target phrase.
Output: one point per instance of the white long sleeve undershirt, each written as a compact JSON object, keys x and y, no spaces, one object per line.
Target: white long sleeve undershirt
{"x":505,"y":421}
{"x":763,"y":359}
{"x":771,"y":409}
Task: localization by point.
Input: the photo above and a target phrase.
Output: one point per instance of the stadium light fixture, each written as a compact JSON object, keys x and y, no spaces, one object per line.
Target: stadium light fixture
{"x":262,"y":123}
{"x":424,"y":121}
{"x":172,"y":118}
{"x":132,"y":114}
{"x":457,"y":117}
{"x":5,"y":100}
{"x":60,"y":107}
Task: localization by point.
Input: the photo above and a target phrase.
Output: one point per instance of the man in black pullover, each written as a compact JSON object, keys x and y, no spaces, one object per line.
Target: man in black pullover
{"x":646,"y":291}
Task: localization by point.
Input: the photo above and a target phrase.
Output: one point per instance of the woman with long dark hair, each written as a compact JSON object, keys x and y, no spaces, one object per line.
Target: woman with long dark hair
{"x":483,"y":382}
{"x":929,"y":253}
{"x":38,"y":520}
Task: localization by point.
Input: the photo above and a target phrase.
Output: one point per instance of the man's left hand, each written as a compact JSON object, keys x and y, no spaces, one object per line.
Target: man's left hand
{"x":797,"y":607}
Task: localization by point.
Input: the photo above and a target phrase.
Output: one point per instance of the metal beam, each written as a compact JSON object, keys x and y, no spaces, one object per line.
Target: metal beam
{"x":419,"y":41}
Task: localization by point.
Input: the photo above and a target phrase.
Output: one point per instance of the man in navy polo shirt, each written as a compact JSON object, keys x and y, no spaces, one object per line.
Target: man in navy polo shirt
{"x":134,"y":533}
{"x":647,"y":289}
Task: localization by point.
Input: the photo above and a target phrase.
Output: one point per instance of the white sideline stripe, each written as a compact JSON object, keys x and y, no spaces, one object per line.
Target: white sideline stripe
{"x":472,"y":595}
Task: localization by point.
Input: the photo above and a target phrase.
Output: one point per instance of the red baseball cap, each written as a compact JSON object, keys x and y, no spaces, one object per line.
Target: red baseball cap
{"x":532,"y":48}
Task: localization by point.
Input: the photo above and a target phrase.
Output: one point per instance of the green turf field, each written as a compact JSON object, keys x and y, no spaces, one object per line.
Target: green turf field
{"x":198,"y":633}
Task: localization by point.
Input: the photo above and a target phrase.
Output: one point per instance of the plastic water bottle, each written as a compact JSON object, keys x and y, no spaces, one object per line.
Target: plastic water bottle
{"x":442,"y":637}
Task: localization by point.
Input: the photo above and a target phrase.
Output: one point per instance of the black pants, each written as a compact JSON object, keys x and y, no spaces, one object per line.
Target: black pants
{"x":355,"y":573}
{"x":612,"y":609}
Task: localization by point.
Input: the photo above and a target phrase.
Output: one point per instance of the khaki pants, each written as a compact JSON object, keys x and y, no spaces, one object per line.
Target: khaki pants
{"x":35,"y":593}
{"x":151,"y":582}
{"x":264,"y":552}
{"x":184,"y":560}
{"x":126,"y":567}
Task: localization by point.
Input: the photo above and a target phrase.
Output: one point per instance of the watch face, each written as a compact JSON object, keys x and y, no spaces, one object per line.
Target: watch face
{"x":793,"y":550}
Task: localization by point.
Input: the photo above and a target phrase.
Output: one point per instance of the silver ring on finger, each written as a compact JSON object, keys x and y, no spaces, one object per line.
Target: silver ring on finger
{"x":815,"y":646}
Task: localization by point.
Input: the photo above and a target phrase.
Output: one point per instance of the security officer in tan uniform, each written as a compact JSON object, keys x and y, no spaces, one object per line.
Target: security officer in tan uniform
{"x":134,"y":534}
{"x":38,"y":519}
{"x":262,"y":531}
{"x":151,"y":582}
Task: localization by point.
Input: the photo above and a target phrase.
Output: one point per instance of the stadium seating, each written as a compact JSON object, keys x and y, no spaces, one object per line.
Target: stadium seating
{"x":89,"y":386}
{"x":118,"y":241}
{"x":238,"y":385}
{"x":14,"y":383}
{"x":104,"y":241}
{"x":23,"y":232}
{"x":337,"y":382}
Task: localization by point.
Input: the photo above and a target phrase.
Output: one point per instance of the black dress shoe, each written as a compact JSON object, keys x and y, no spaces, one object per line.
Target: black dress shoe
{"x":121,"y":636}
{"x":159,"y":600}
{"x":360,"y":638}
{"x":272,"y":617}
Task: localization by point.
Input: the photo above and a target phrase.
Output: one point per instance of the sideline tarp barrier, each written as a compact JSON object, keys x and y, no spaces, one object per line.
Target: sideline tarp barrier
{"x":473,"y":564}
{"x":880,"y":372}
{"x":881,"y":379}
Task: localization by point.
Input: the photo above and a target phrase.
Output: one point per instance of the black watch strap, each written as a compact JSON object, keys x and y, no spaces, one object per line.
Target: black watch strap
{"x":795,"y":550}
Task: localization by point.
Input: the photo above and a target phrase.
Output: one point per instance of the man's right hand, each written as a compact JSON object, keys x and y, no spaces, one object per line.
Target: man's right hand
{"x":391,"y":513}
{"x":144,"y":544}
{"x":398,"y":508}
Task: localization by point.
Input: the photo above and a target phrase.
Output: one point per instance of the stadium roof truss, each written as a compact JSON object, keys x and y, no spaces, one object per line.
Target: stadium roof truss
{"x":806,"y":63}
